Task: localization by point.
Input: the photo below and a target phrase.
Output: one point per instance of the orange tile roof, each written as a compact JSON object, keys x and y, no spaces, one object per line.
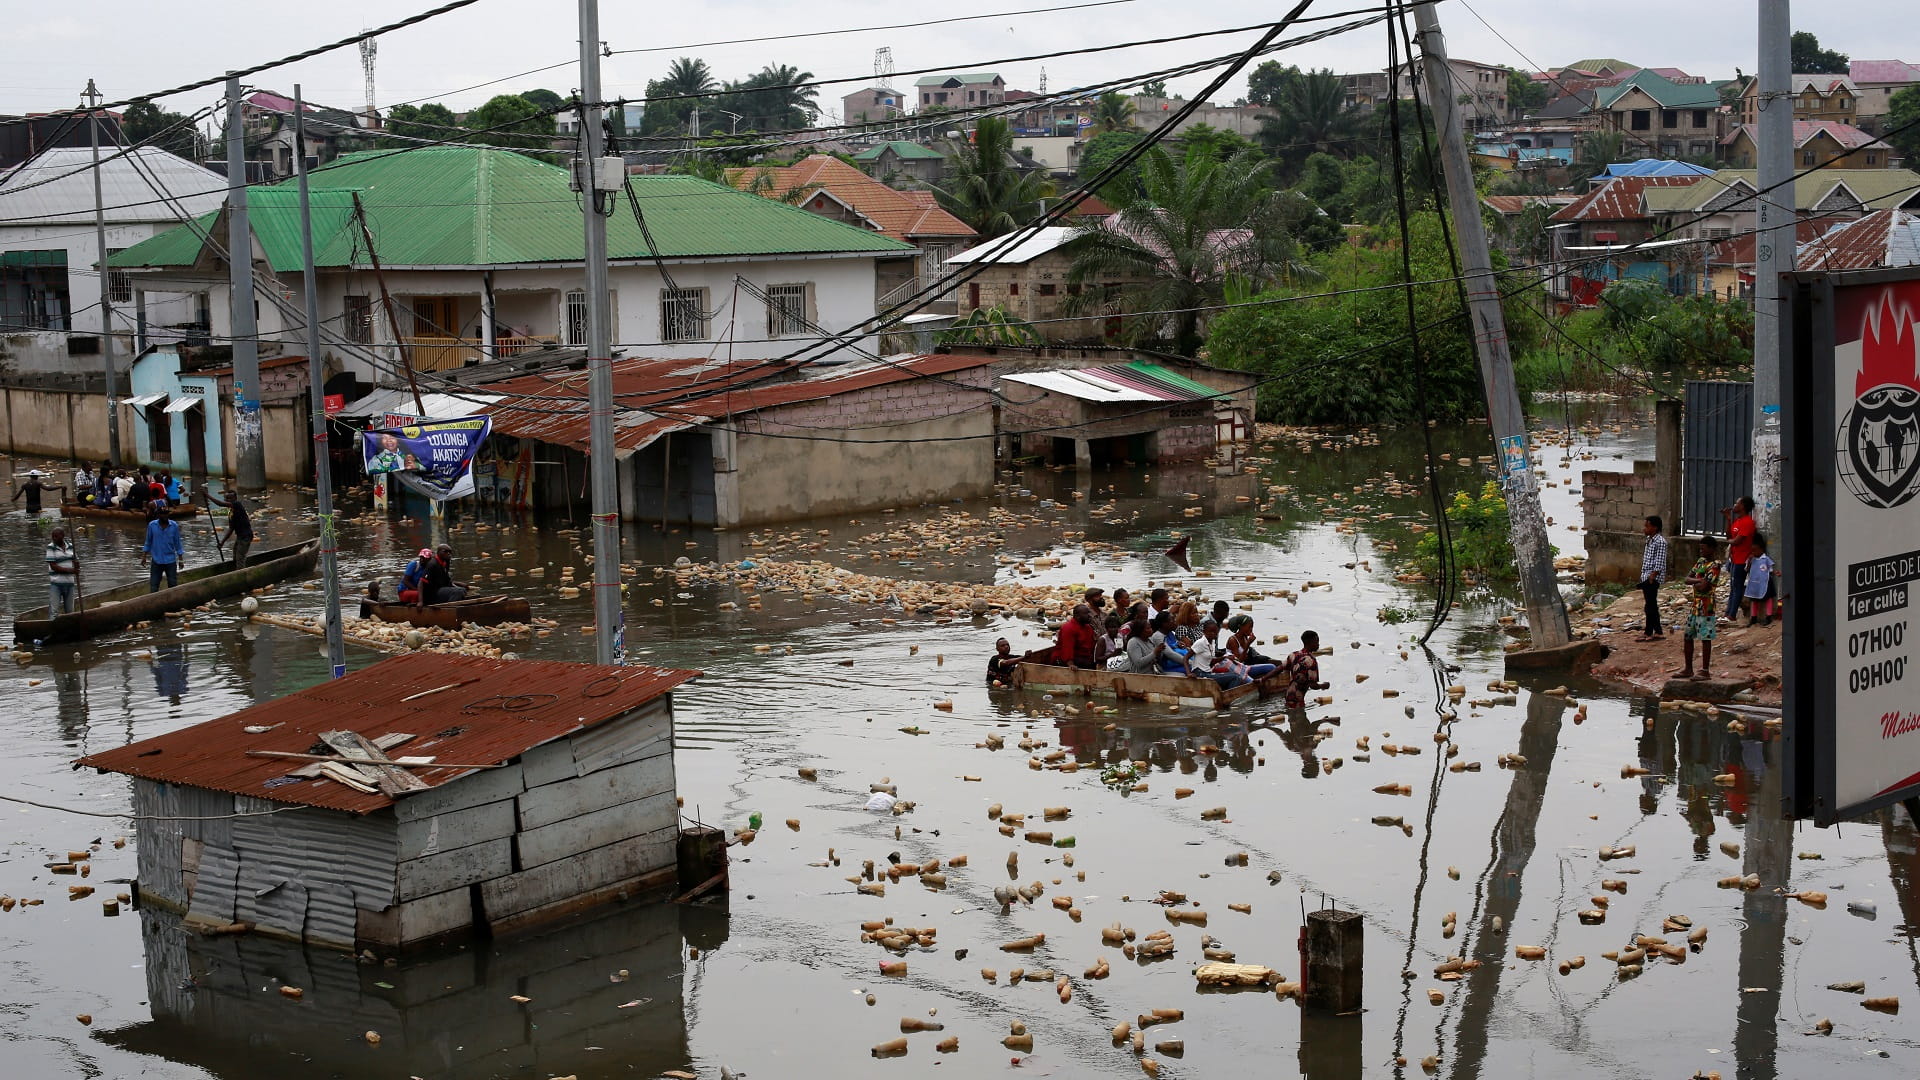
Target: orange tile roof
{"x":900,"y":215}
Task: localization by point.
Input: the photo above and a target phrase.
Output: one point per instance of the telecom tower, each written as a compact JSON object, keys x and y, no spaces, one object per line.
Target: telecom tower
{"x":368,"y":47}
{"x":883,"y":65}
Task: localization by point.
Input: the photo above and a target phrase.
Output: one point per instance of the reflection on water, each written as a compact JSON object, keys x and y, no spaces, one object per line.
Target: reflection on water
{"x":217,"y":1003}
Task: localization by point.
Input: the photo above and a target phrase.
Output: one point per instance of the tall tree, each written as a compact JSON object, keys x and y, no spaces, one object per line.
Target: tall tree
{"x":429,"y":121}
{"x":1264,"y":82}
{"x":543,"y":98}
{"x":1201,"y":227}
{"x":771,"y":100}
{"x":170,"y":131}
{"x":511,"y":120}
{"x":1810,"y":59}
{"x":985,"y":189}
{"x":686,"y":86}
{"x":1113,"y":112}
{"x":1524,"y":95}
{"x":1311,"y":117}
{"x":1903,"y":123}
{"x":1154,"y":88}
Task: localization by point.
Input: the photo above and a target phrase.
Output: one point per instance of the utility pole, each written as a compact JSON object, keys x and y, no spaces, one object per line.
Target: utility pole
{"x":1546,"y":612}
{"x":609,"y":618}
{"x":316,"y":380}
{"x":1773,"y":252}
{"x":106,"y":281}
{"x":250,"y":473}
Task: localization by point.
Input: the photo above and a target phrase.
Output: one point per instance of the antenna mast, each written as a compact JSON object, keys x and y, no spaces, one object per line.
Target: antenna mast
{"x":369,"y":47}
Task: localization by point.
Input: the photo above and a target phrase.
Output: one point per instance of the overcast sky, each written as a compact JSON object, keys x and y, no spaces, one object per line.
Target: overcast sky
{"x":138,"y":46}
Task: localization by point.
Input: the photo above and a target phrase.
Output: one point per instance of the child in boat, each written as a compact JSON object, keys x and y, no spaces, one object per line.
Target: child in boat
{"x":410,"y":578}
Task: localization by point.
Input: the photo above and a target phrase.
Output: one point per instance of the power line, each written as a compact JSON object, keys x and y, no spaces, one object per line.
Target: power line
{"x":451,"y":5}
{"x":866,"y":29}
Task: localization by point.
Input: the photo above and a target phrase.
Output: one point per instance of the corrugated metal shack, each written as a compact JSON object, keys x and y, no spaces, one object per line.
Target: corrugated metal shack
{"x":557,"y":793}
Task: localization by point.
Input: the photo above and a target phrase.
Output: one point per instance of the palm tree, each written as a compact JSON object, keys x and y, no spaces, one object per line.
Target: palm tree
{"x":787,"y":105}
{"x":687,"y":76}
{"x":1113,"y":112}
{"x":1202,"y":227}
{"x":1311,"y":117}
{"x":985,"y":189}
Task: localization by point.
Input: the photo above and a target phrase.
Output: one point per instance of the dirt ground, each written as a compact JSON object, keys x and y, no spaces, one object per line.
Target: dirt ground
{"x":1744,"y":657}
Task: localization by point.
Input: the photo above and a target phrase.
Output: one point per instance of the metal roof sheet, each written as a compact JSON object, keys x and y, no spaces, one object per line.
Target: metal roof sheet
{"x":1618,"y":199}
{"x":468,"y":206}
{"x":1877,"y":189}
{"x":902,"y":149}
{"x":1138,"y":381}
{"x":655,"y":395}
{"x":895,"y":213}
{"x":1881,"y":239}
{"x":182,"y":404}
{"x":57,"y":186}
{"x":1030,"y":247}
{"x":144,"y":400}
{"x":497,"y":710}
{"x":400,"y":400}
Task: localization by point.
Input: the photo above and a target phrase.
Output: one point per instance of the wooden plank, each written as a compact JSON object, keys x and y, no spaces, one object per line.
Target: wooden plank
{"x":445,"y":870}
{"x":571,"y":798}
{"x":639,"y":734}
{"x":626,"y":888}
{"x":571,"y":877}
{"x":550,"y":763}
{"x":392,"y":780}
{"x":457,"y":829}
{"x":417,"y":919}
{"x":490,"y":785}
{"x":537,"y":847}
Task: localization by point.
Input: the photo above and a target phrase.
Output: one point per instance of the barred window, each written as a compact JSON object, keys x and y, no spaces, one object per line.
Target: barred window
{"x":786,"y":310}
{"x":683,"y":314}
{"x":574,"y":308}
{"x":357,"y":313}
{"x":120,"y":283}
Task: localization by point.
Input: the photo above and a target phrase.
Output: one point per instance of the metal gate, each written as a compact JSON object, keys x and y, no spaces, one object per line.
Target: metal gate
{"x":1716,"y":453}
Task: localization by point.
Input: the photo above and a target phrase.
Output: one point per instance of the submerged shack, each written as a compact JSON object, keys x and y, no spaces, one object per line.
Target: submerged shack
{"x":517,"y":791}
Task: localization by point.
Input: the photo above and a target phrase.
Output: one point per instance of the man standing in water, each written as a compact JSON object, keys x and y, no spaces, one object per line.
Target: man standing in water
{"x":61,"y":573}
{"x":162,"y":549}
{"x":32,"y":489}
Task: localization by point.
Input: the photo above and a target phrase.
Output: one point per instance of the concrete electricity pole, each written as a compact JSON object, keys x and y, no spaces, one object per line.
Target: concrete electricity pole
{"x":1773,"y":252}
{"x":250,"y":473}
{"x":1546,"y":612}
{"x":316,"y":379}
{"x":106,"y":281}
{"x":609,"y":619}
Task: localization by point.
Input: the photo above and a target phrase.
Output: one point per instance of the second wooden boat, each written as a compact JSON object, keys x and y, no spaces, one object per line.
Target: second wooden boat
{"x":479,"y":611}
{"x":124,"y":517}
{"x":1129,"y":685}
{"x":121,"y":607}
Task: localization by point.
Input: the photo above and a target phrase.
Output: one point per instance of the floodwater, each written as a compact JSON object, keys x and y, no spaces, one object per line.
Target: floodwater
{"x":777,"y":987}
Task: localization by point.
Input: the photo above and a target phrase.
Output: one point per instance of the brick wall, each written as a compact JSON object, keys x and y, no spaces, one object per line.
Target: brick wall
{"x":1615,"y":505}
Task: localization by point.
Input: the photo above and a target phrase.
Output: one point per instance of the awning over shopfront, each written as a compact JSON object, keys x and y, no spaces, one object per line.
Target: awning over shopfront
{"x":145,"y":401}
{"x":182,"y":404}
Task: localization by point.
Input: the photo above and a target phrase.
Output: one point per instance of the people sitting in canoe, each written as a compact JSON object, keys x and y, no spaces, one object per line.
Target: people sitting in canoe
{"x":1240,"y":646}
{"x":438,"y":585}
{"x":411,"y":577}
{"x":123,"y":491}
{"x":1075,"y":645}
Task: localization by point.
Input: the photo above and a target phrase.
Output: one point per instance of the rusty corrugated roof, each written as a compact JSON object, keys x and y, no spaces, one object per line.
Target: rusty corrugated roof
{"x":1618,"y":199}
{"x":651,"y":407}
{"x":896,"y":214}
{"x":501,"y":709}
{"x":1883,"y":238}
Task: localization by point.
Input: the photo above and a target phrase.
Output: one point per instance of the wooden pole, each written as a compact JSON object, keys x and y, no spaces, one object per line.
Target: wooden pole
{"x":386,"y":302}
{"x":702,"y":856}
{"x":1335,"y":954}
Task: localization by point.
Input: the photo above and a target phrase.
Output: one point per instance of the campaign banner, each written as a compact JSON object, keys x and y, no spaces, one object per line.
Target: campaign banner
{"x":434,"y":457}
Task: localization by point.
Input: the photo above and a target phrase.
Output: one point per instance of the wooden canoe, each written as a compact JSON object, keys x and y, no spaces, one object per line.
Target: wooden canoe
{"x":1129,"y":685}
{"x":479,"y":611}
{"x":119,"y":608}
{"x":125,"y":517}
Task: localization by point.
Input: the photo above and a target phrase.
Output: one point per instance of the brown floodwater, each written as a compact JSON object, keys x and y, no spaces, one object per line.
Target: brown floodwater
{"x":776,"y":985}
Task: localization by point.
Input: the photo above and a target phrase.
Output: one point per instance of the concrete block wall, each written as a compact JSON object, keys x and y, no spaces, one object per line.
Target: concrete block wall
{"x":1615,"y":505}
{"x":54,"y":423}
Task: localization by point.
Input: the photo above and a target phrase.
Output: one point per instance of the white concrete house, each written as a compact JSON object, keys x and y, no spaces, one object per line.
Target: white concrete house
{"x":479,"y":251}
{"x":50,"y":312}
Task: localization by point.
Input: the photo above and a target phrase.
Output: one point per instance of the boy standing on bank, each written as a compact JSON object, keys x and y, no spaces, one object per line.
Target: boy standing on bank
{"x":1702,"y":622}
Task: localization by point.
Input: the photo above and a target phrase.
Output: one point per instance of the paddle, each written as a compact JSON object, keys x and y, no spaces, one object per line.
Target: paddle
{"x":79,"y":590}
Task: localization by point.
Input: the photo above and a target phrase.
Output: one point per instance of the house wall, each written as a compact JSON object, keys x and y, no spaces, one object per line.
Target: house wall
{"x":47,"y":350}
{"x":560,"y":828}
{"x":1022,"y":290}
{"x":1614,"y":506}
{"x":1058,"y":153}
{"x":1177,"y":432}
{"x":761,"y":478}
{"x":56,"y":423}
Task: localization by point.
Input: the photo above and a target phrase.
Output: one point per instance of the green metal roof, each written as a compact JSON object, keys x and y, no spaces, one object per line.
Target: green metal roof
{"x":464,"y":206}
{"x":1878,"y":189}
{"x":1174,"y":379}
{"x":1667,"y":93}
{"x":901,"y":148}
